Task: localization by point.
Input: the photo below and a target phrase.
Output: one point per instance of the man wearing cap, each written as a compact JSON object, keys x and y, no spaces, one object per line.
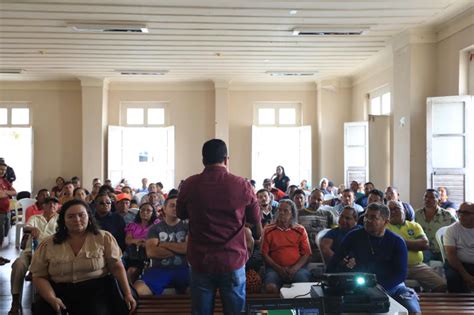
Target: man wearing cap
{"x":39,"y":226}
{"x":122,"y":205}
{"x":6,"y":191}
{"x":218,"y":204}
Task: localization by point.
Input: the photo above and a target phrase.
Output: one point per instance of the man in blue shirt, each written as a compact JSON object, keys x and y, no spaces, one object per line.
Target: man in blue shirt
{"x":110,"y":221}
{"x":374,"y":249}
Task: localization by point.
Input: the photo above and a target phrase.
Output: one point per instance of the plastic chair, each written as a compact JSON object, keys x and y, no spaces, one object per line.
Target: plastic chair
{"x":440,"y":239}
{"x":319,"y":237}
{"x":20,"y":221}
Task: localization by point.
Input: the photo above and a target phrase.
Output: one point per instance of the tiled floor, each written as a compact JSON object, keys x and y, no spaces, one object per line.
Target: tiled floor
{"x":9,"y":251}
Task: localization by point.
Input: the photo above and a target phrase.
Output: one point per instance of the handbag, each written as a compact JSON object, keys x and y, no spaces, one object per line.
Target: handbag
{"x":137,"y":253}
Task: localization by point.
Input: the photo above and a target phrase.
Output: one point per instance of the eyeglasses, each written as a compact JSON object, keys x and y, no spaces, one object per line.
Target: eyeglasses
{"x":105,"y":203}
{"x":462,"y":212}
{"x":370,"y":219}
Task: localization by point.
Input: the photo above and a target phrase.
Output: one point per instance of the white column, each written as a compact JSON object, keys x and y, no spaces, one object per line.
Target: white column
{"x":222,"y":110}
{"x":94,"y":127}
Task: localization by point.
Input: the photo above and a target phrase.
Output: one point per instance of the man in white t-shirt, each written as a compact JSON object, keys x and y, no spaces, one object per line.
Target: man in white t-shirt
{"x":39,"y":226}
{"x":459,"y":246}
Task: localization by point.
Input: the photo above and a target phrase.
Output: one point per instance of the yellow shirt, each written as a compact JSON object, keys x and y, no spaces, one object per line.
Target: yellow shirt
{"x":58,"y":262}
{"x":410,"y":231}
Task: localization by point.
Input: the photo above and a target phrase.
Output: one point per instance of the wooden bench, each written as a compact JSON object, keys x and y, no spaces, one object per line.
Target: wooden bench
{"x":181,"y":304}
{"x":431,"y":303}
{"x":446,"y":303}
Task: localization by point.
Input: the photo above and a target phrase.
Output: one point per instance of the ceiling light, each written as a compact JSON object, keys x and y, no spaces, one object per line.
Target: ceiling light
{"x":11,"y":71}
{"x":142,"y":72}
{"x":293,"y":12}
{"x":109,"y":28}
{"x":331,"y":31}
{"x":291,"y":73}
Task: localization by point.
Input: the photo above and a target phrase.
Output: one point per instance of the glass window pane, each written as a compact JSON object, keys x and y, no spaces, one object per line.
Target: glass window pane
{"x":448,"y":152}
{"x":386,"y":104}
{"x":356,"y":156}
{"x":3,"y":116}
{"x":266,"y":116}
{"x":20,"y":116}
{"x":135,"y":116}
{"x":355,"y":135}
{"x":287,"y":116}
{"x":375,"y":106}
{"x":448,"y":118}
{"x":156,"y":116}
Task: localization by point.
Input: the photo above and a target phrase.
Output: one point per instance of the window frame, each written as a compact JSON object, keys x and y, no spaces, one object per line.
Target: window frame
{"x":277,"y":106}
{"x":14,"y":105}
{"x":379,"y":93}
{"x":124,"y":106}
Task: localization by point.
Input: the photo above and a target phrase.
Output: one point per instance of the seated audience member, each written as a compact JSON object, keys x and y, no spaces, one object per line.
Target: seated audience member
{"x":56,"y":190}
{"x":285,"y":249}
{"x":67,"y":193}
{"x":444,"y":201}
{"x":364,"y":200}
{"x":37,"y":207}
{"x":108,"y":182}
{"x":157,"y":200}
{"x":299,"y":198}
{"x":39,"y":226}
{"x":71,"y":269}
{"x":9,"y":173}
{"x":96,"y":181}
{"x":136,"y":234}
{"x":127,"y":190}
{"x":166,"y":246}
{"x":277,"y":193}
{"x":374,"y":249}
{"x":79,"y":194}
{"x":347,"y":199}
{"x":432,"y":217}
{"x":76,"y":182}
{"x":459,"y":246}
{"x":305,"y":187}
{"x":266,"y":209}
{"x":314,"y":219}
{"x":416,"y":242}
{"x":355,"y":189}
{"x":122,"y":204}
{"x":331,"y":240}
{"x":391,"y":193}
{"x":134,"y":204}
{"x":6,"y":191}
{"x":95,"y":191}
{"x":109,"y":221}
{"x":291,"y":190}
{"x":144,"y":187}
{"x":375,"y":196}
{"x":323,"y":186}
{"x":280,"y":180}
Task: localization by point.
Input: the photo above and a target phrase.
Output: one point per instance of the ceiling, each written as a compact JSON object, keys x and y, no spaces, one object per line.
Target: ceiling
{"x":206,"y":39}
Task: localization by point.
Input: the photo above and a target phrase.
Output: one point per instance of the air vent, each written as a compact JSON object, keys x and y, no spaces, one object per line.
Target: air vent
{"x":142,"y":72}
{"x":330,"y":31}
{"x":109,"y":28}
{"x":11,"y":71}
{"x":291,"y":73}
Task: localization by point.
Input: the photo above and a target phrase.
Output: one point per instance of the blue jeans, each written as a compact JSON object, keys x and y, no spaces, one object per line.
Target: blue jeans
{"x":407,"y":297}
{"x":271,"y":276}
{"x":231,"y":287}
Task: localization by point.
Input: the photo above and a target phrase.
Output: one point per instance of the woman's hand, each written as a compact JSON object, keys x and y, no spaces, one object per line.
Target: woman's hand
{"x":57,"y":304}
{"x":131,"y":303}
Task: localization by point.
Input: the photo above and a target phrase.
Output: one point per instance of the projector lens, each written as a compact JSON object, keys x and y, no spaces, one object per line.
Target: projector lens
{"x":360,"y":280}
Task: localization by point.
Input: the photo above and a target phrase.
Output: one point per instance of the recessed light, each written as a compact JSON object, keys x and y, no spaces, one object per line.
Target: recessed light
{"x":266,"y":60}
{"x":293,"y":12}
{"x":291,"y":73}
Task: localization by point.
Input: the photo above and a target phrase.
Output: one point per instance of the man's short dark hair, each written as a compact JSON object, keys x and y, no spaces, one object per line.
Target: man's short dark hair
{"x":369,"y":183}
{"x":160,"y":184}
{"x":214,"y":151}
{"x":263,"y":191}
{"x":347,"y":190}
{"x":434,"y":191}
{"x":376,"y":192}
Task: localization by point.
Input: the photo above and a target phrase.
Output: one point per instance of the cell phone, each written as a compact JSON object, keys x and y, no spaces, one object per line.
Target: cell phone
{"x":287,"y":285}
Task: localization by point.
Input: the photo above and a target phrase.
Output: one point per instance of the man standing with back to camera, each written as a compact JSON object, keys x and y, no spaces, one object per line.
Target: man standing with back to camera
{"x":217,"y":204}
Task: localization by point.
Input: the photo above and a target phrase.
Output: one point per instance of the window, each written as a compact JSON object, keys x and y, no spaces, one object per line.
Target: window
{"x":14,"y":115}
{"x":275,"y":114}
{"x":379,"y":102}
{"x":143,"y":114}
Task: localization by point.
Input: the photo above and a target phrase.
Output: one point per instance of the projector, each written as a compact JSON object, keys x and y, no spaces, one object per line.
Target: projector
{"x":351,"y":293}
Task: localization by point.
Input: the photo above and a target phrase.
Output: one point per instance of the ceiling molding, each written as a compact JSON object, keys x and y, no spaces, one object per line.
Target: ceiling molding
{"x":269,"y":86}
{"x":161,"y":86}
{"x":456,"y":24}
{"x":41,"y":85}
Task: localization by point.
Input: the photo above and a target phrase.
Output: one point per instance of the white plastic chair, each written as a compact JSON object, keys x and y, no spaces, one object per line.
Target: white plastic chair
{"x":319,"y":237}
{"x":440,"y":239}
{"x":20,"y":221}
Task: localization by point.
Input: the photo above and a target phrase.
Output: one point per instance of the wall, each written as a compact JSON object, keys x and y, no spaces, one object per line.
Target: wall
{"x":191,"y":111}
{"x":242,"y":99}
{"x":57,"y":129}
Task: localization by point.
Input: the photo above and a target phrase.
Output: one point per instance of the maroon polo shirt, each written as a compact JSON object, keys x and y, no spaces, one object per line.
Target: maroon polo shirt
{"x":217,"y":204}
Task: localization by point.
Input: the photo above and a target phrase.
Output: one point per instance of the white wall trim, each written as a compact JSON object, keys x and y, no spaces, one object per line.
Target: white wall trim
{"x":45,"y":85}
{"x":161,"y":86}
{"x":259,"y":86}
